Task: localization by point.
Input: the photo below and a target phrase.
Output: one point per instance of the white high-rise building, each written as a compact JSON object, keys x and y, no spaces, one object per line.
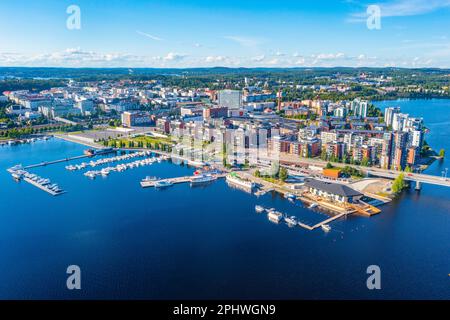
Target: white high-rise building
{"x":416,"y":139}
{"x":359,"y":107}
{"x":413,"y":124}
{"x":389,"y":114}
{"x":399,"y":121}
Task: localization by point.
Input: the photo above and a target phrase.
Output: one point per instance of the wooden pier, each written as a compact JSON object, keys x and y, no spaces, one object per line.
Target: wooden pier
{"x":329,"y":220}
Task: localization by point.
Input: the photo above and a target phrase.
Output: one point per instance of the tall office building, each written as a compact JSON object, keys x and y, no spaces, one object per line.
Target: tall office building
{"x":232,"y":99}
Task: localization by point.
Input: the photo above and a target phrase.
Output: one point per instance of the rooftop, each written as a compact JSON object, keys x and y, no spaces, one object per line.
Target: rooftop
{"x":333,"y":188}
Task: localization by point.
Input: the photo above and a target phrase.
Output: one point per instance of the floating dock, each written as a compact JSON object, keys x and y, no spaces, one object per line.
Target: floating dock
{"x":178,"y":180}
{"x":147,"y":184}
{"x":42,"y":187}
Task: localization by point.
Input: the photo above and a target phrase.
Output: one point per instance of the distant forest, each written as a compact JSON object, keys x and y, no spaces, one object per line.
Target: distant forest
{"x":36,"y":79}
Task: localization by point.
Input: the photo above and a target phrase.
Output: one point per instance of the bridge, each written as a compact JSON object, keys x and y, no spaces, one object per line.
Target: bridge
{"x":418,"y":178}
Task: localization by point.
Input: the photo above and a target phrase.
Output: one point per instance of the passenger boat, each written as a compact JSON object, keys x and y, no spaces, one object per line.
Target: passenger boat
{"x":235,"y":180}
{"x":325,"y":227}
{"x":313,"y":205}
{"x":202,"y":179}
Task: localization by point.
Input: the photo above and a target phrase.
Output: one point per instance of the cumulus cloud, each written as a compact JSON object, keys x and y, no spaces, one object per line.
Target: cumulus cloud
{"x":215,"y":59}
{"x":76,"y":57}
{"x":172,"y":56}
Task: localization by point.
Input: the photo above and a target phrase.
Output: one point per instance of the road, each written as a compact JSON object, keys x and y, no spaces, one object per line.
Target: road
{"x":372,"y":171}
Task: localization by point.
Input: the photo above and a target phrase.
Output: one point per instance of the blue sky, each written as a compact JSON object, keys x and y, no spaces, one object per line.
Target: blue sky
{"x":173,"y":33}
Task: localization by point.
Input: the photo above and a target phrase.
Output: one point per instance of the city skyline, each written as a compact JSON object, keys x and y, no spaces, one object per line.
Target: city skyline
{"x":229,"y":34}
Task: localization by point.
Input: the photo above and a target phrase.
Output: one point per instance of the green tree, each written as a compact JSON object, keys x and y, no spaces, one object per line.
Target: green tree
{"x":329,"y":166}
{"x":257,"y":174}
{"x":283,"y":175}
{"x":399,"y":184}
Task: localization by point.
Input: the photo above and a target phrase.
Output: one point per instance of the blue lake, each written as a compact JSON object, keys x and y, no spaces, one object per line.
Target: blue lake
{"x":208,"y":242}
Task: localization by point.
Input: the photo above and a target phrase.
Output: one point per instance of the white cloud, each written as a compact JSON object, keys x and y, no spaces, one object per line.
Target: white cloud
{"x":274,"y":61}
{"x":172,"y":56}
{"x":328,"y":56}
{"x":76,"y":57}
{"x":258,"y":58}
{"x":210,"y":59}
{"x":300,"y":61}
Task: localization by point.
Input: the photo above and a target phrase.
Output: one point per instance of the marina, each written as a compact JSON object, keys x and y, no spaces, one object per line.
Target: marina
{"x":103,"y":161}
{"x":13,"y":142}
{"x":18,"y":173}
{"x":104,"y":172}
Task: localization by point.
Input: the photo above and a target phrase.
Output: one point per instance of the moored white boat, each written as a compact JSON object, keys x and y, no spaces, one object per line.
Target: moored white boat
{"x":292,"y":220}
{"x":163,"y":184}
{"x":259,"y":209}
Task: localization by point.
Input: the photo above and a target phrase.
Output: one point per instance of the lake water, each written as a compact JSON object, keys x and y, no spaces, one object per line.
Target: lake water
{"x":208,"y":242}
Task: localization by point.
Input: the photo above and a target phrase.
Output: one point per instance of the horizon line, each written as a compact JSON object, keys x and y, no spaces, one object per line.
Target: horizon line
{"x":224,"y":67}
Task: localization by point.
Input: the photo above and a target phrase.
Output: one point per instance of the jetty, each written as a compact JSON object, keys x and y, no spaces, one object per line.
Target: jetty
{"x":171,"y":181}
{"x":46,"y":163}
{"x":147,"y":184}
{"x":43,"y":187}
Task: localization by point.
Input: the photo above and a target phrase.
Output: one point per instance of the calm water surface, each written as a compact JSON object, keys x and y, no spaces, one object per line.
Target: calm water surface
{"x":208,"y":242}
